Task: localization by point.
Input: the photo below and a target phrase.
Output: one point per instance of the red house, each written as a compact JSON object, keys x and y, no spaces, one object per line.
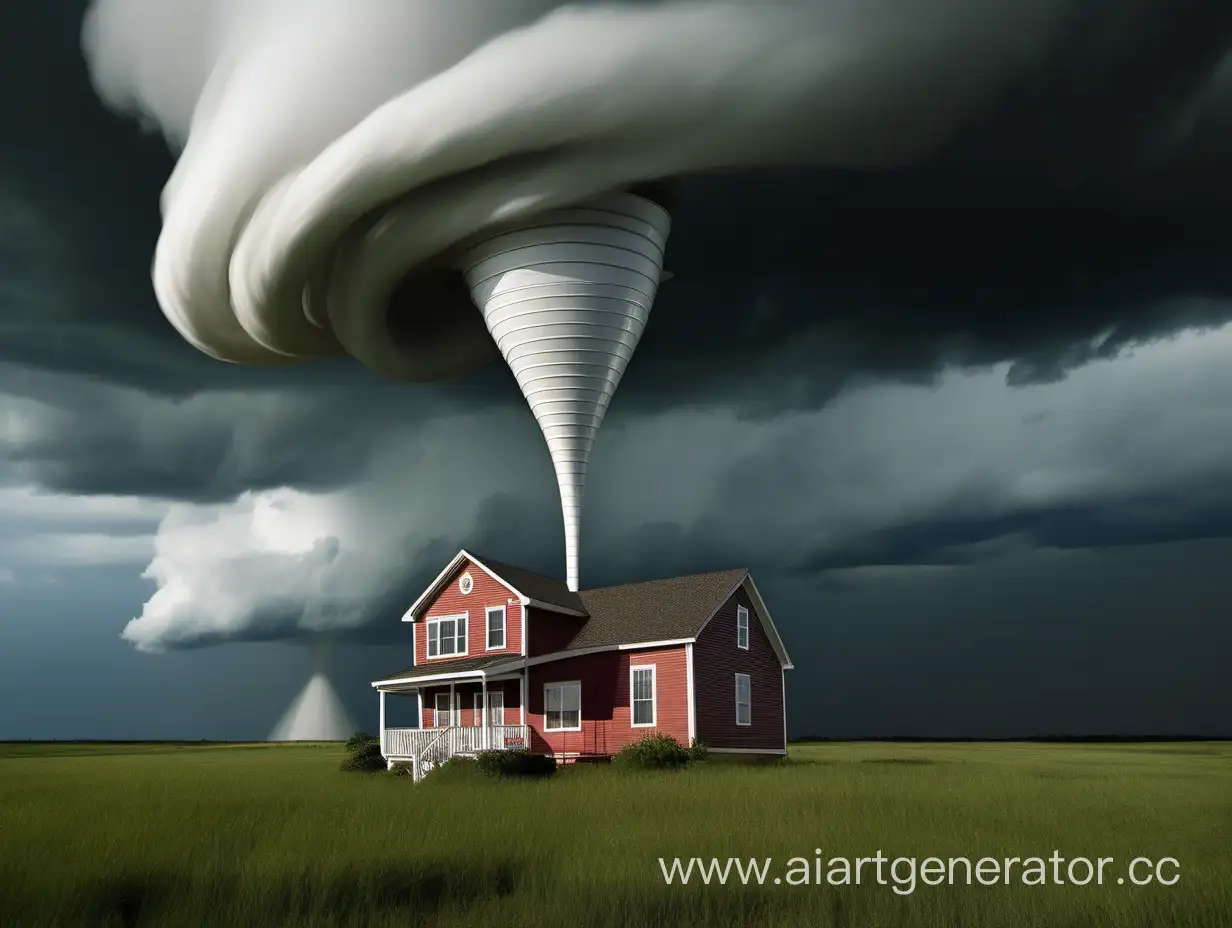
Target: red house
{"x":504,"y":658}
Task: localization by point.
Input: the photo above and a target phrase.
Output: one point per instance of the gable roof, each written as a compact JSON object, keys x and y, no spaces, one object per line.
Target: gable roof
{"x":542,"y":592}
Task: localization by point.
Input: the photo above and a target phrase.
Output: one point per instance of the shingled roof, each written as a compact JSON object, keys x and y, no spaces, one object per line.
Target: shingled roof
{"x":655,"y":610}
{"x":461,"y":665}
{"x":652,"y":610}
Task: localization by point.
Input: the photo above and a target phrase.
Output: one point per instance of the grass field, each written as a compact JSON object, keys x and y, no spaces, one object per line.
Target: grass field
{"x":256,"y":835}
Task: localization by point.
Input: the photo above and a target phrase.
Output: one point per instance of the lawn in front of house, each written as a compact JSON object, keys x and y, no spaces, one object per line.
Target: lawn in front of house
{"x":276,"y":834}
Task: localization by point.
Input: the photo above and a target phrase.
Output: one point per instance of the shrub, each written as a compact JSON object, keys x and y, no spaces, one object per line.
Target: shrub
{"x":365,"y":757}
{"x":515,"y":764}
{"x":359,"y":739}
{"x":454,"y":770}
{"x":653,"y":752}
{"x":698,"y":750}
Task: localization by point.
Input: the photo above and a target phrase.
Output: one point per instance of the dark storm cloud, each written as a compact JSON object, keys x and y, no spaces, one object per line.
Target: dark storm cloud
{"x":1018,"y":242}
{"x":209,"y":446}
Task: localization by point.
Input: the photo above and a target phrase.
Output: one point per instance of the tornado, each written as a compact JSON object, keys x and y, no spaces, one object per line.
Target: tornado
{"x":426,"y":186}
{"x":566,"y":298}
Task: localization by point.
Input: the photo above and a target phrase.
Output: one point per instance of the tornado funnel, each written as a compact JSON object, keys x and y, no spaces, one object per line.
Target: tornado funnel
{"x":566,"y":296}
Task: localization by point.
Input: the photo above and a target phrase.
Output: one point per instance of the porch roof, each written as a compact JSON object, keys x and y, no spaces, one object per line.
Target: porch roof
{"x":444,"y":669}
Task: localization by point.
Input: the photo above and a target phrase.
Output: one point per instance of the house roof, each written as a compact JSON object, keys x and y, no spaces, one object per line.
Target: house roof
{"x":654,"y":610}
{"x":548,"y":590}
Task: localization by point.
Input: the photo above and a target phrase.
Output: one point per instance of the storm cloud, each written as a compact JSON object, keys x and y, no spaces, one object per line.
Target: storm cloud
{"x":1060,"y":231}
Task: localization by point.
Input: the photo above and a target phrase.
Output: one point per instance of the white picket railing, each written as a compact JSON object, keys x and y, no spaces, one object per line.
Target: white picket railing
{"x":432,"y":746}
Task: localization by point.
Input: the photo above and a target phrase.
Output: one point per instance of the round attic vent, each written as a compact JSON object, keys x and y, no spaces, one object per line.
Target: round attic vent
{"x":466,"y":583}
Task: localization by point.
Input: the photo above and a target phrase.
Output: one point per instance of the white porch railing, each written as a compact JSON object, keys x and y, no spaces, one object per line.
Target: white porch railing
{"x":431,"y":746}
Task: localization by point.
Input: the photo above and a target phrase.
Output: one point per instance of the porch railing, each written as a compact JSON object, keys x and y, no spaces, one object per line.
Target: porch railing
{"x":432,"y":746}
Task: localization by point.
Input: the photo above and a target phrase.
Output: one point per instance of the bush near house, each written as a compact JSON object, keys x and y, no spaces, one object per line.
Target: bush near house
{"x":457,"y":770}
{"x":359,"y":739}
{"x":363,"y":755}
{"x":653,"y":752}
{"x":515,"y":764}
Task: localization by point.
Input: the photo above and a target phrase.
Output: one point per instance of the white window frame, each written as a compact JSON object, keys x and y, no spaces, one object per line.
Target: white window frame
{"x":498,"y":696}
{"x":748,"y":680}
{"x":504,"y":628}
{"x":654,"y":697}
{"x":562,"y":684}
{"x":463,"y":618}
{"x":742,"y":626}
{"x":496,"y":700}
{"x":436,"y":711}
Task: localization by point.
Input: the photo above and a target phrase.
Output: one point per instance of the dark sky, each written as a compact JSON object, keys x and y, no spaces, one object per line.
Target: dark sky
{"x":967,"y":422}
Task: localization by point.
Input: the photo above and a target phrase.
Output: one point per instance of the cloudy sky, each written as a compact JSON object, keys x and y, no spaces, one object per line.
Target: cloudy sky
{"x":967,"y":419}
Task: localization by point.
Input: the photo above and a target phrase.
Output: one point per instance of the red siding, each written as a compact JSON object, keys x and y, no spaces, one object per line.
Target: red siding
{"x":716,"y":661}
{"x":550,"y":631}
{"x":465,"y":695}
{"x":604,"y":677}
{"x":450,"y":601}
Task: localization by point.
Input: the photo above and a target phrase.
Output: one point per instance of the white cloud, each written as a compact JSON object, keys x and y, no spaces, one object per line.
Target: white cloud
{"x":292,"y":560}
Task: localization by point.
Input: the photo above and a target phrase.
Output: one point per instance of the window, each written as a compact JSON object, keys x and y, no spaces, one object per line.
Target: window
{"x":496,"y":709}
{"x":496,"y":628}
{"x":744,"y":699}
{"x":562,"y":703}
{"x":742,"y":628}
{"x":447,"y":635}
{"x":642,"y":696}
{"x":440,"y":717}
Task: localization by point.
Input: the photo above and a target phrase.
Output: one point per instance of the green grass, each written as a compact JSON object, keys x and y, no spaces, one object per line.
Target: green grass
{"x":276,"y":835}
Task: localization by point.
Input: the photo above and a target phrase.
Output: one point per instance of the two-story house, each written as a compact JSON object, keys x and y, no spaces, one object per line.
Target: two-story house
{"x":504,"y":658}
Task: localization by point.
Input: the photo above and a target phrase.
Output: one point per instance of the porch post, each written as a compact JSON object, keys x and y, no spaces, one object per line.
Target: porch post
{"x":522,"y":690}
{"x":453,"y":705}
{"x":381,"y":693}
{"x":419,"y":705}
{"x":483,"y":706}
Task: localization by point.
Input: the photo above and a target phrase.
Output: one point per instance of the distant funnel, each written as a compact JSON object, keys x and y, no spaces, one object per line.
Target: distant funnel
{"x":566,"y":296}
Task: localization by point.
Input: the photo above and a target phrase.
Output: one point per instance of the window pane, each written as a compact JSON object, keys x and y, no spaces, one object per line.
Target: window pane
{"x":496,"y":628}
{"x":571,"y":719}
{"x":571,"y":698}
{"x":460,"y":636}
{"x":743,"y":700}
{"x":496,"y":708}
{"x":553,"y":698}
{"x":643,"y":712}
{"x":552,"y":719}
